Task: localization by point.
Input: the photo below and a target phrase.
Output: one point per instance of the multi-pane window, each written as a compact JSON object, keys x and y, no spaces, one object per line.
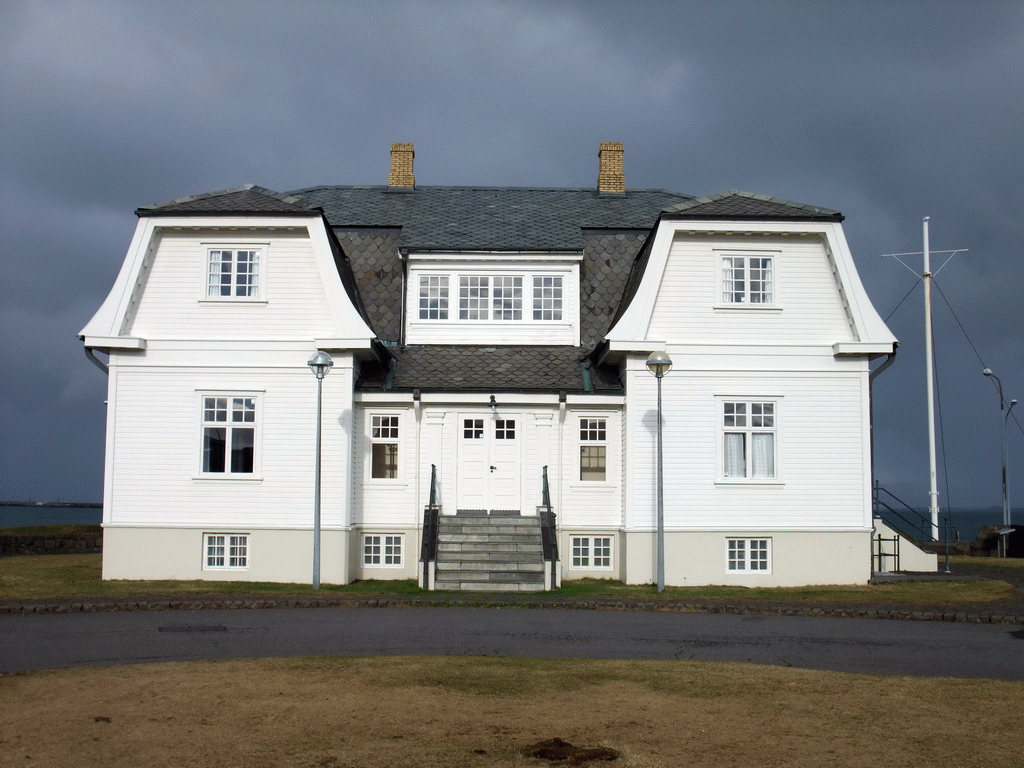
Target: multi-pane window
{"x":593,"y":449}
{"x":505,"y":429}
{"x":473,"y":429}
{"x":749,"y":438}
{"x":433,"y":297}
{"x":383,"y":446}
{"x":591,"y":551}
{"x":547,"y":297}
{"x":747,"y":280}
{"x":227,"y":550}
{"x":749,"y":555}
{"x":507,"y":298}
{"x":229,"y":435}
{"x":382,"y":550}
{"x":233,"y":272}
{"x":491,"y":297}
{"x":474,"y":291}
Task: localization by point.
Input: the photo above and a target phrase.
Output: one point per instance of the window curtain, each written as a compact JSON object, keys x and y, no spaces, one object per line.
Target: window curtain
{"x":735,"y":454}
{"x":763,"y":455}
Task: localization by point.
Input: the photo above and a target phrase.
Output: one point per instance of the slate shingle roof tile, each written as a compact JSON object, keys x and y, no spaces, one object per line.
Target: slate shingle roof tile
{"x":745,"y":205}
{"x":435,"y":367}
{"x":247,"y":200}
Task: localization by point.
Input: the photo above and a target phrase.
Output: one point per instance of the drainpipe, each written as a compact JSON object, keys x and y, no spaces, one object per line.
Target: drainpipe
{"x":90,"y":353}
{"x":889,"y":360}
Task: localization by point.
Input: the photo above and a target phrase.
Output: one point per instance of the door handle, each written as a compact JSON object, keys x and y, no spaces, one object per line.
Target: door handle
{"x":493,"y":467}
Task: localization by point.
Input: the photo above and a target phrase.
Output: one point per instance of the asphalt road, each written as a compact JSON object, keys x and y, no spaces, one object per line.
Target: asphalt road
{"x":873,"y":646}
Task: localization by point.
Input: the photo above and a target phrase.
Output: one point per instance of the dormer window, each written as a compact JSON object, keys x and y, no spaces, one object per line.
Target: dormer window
{"x":492,"y":297}
{"x":518,"y":298}
{"x":748,"y":280}
{"x":233,"y":273}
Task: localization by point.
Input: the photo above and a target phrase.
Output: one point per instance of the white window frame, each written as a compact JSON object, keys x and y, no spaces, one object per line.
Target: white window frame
{"x":748,"y":555}
{"x":256,"y":288}
{"x":548,"y":297}
{"x":593,"y":433}
{"x":232,"y":404}
{"x":727,"y":293}
{"x":748,"y":430}
{"x":591,"y":552}
{"x":434,"y":297}
{"x":514,"y":296}
{"x":380,"y":548}
{"x":380,"y":433}
{"x":234,"y":547}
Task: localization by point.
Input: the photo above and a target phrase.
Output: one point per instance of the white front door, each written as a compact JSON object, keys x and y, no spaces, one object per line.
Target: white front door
{"x":489,"y":462}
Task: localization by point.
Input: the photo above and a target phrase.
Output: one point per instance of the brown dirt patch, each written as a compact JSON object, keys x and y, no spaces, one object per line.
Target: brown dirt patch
{"x":480,"y":713}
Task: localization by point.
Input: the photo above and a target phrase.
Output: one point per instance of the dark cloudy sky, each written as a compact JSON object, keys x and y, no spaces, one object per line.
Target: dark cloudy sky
{"x":887,"y":111}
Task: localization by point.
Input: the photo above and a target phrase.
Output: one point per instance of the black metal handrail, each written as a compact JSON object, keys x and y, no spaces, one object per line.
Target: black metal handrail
{"x":913,"y":520}
{"x":428,"y":548}
{"x":548,"y":534}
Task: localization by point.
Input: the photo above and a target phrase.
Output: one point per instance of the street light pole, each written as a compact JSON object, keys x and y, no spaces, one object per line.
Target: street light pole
{"x":319,"y":364}
{"x":1006,"y":417}
{"x":659,"y":363}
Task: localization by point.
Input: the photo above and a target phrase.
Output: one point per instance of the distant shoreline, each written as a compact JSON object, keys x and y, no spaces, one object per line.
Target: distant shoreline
{"x":52,"y":504}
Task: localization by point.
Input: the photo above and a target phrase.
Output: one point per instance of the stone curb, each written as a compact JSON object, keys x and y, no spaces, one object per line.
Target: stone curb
{"x":593,"y":605}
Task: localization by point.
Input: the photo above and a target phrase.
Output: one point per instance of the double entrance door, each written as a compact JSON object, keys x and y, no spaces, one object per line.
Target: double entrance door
{"x":489,"y":462}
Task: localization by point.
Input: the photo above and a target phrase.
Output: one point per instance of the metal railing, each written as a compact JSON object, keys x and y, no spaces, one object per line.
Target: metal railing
{"x":428,"y":548}
{"x":548,"y":533}
{"x":902,"y":517}
{"x":878,"y":556}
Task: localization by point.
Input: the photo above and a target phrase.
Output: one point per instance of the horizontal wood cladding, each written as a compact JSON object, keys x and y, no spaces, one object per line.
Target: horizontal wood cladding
{"x":291,"y":301}
{"x":821,"y":447}
{"x":807,"y":307}
{"x":387,"y":503}
{"x":157,"y":449}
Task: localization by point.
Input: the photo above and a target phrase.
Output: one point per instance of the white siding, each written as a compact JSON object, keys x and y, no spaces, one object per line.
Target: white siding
{"x":156,"y":449}
{"x":385,"y":503}
{"x":807,"y":309}
{"x":173,"y":302}
{"x":591,"y":503}
{"x":822,"y":466}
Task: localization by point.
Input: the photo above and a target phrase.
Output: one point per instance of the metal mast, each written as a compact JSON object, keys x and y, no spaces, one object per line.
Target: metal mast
{"x":933,"y":492}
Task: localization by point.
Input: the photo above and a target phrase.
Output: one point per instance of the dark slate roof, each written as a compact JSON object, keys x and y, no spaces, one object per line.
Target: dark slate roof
{"x":248,"y":200}
{"x":735,"y":205}
{"x":431,"y":367}
{"x":488,"y":218}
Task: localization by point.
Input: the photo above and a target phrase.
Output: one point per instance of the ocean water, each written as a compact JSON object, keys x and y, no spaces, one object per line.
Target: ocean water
{"x":22,"y":515}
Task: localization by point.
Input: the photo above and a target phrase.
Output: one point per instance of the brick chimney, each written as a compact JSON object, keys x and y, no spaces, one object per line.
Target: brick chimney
{"x":611,"y":180}
{"x":401,"y":176}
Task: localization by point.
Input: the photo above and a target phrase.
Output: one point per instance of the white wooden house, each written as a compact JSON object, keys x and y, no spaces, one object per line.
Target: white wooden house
{"x":489,"y":350}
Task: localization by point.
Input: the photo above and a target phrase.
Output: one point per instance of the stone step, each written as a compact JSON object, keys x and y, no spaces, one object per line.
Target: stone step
{"x":511,"y":566}
{"x":503,"y":527}
{"x":501,"y":538}
{"x":482,"y":552}
{"x":487,"y":586}
{"x":509,"y":552}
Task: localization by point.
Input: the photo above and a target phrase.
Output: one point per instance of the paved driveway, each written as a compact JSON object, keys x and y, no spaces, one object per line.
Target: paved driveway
{"x":920,"y":648}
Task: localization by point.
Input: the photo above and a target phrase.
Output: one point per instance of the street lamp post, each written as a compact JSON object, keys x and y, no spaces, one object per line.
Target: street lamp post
{"x":659,"y":363}
{"x":1005,"y":419}
{"x":319,"y":364}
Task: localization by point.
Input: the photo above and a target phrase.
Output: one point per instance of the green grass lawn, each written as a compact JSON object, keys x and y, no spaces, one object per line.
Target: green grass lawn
{"x":78,"y":576}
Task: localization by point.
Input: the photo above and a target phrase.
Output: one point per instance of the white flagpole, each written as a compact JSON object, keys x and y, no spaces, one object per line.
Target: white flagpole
{"x":933,"y":493}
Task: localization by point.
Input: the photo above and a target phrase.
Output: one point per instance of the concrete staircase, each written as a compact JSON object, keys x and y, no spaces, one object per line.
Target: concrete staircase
{"x":493,"y":553}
